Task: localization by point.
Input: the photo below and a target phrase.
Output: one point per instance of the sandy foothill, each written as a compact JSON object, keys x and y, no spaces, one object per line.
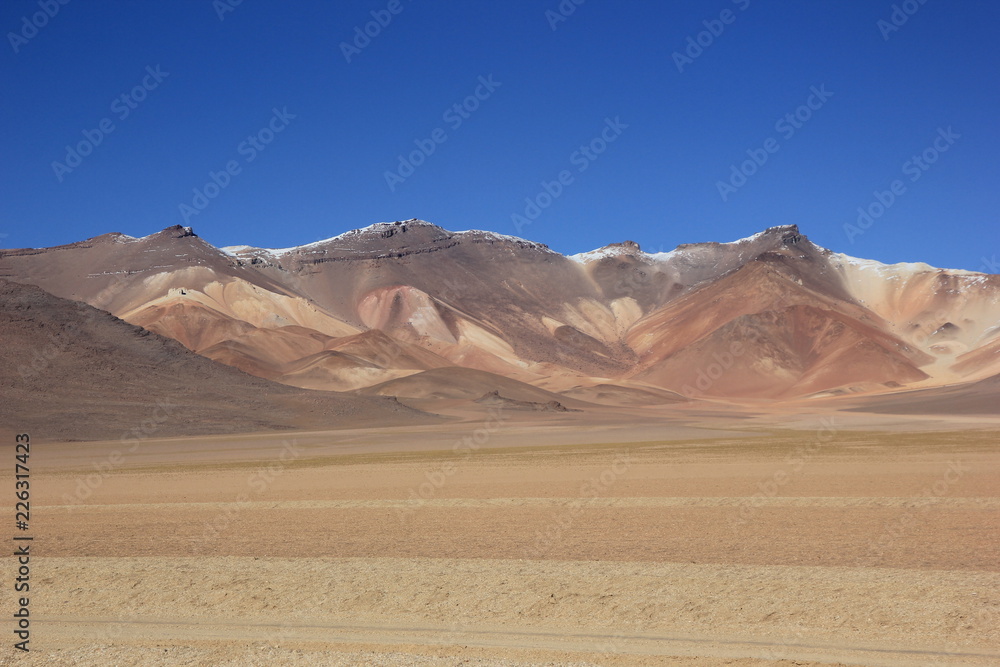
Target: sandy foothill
{"x":733,"y":548}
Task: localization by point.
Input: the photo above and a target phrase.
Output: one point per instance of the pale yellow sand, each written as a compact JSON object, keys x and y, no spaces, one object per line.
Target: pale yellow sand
{"x":861,"y":548}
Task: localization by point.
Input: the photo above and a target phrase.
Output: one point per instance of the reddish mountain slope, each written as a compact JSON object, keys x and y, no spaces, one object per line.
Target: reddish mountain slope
{"x":375,"y":305}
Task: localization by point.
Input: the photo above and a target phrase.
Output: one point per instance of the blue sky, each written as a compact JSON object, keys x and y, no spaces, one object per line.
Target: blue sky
{"x":555,"y":82}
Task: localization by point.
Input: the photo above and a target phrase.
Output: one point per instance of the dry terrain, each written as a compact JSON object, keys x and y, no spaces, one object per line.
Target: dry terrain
{"x":524,"y":540}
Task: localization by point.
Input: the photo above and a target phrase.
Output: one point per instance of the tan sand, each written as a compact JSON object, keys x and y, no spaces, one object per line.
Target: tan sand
{"x":804,"y":547}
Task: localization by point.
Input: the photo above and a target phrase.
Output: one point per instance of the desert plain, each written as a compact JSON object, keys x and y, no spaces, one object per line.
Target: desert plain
{"x":507,"y":537}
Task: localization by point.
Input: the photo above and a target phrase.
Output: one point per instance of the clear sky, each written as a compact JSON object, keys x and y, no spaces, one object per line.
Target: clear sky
{"x":309,"y":128}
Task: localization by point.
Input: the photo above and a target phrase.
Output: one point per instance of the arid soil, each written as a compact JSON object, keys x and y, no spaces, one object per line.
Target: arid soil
{"x":489,"y":544}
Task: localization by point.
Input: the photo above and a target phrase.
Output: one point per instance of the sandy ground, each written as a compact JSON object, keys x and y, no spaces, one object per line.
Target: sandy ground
{"x":532,"y":545}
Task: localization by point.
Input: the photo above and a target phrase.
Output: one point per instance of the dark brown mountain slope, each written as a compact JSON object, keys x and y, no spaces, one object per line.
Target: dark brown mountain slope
{"x":73,"y":372}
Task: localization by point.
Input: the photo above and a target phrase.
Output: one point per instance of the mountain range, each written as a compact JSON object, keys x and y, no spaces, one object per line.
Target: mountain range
{"x":411,"y":310}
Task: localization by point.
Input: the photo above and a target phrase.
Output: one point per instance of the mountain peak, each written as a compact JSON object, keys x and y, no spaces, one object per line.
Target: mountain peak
{"x":772,"y":237}
{"x":388,"y":229}
{"x":782,"y":229}
{"x":387,"y":239}
{"x":172,"y":232}
{"x":175,"y":232}
{"x":770,"y":240}
{"x":625,"y":248}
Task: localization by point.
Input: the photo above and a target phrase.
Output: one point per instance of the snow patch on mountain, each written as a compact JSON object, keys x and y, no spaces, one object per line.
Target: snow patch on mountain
{"x":381,"y":229}
{"x":897,"y":270}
